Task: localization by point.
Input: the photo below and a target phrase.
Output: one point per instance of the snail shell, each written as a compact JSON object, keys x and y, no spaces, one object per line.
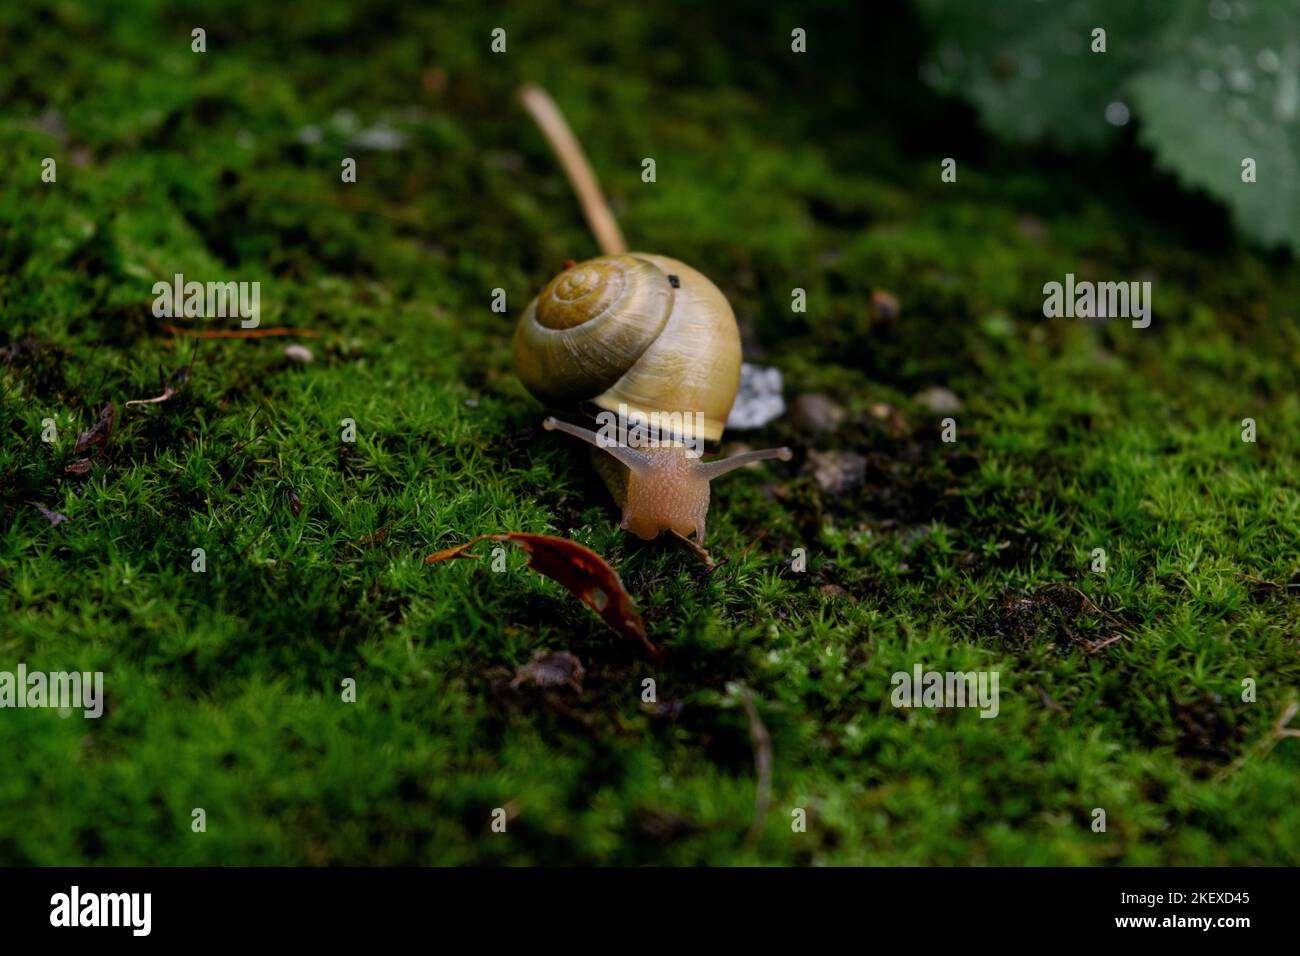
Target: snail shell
{"x":639,"y":330}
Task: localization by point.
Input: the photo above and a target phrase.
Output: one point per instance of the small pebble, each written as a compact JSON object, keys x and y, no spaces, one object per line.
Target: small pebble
{"x":298,"y":353}
{"x":939,"y":400}
{"x":815,"y":412}
{"x":380,"y":137}
{"x":837,"y":471}
{"x":758,"y":401}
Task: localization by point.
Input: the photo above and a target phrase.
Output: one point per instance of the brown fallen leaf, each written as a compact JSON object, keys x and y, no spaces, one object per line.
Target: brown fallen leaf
{"x":98,"y":435}
{"x":81,"y":466}
{"x":581,"y":571}
{"x":551,"y":669}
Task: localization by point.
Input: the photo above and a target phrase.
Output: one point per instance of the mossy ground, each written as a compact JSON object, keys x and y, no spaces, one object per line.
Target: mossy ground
{"x":773,"y":172}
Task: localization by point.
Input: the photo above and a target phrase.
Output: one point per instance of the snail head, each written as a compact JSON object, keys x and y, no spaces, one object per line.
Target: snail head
{"x":667,"y":484}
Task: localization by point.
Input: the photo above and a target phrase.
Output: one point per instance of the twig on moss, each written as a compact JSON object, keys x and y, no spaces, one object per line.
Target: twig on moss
{"x":600,"y":218}
{"x":237,"y":333}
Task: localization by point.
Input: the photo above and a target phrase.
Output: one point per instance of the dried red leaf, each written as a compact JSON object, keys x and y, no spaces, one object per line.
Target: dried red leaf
{"x":81,"y":466}
{"x":581,"y":571}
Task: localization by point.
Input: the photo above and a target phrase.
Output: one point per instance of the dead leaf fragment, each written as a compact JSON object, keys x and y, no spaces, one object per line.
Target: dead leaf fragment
{"x":551,"y":669}
{"x":835,"y":591}
{"x":98,"y":435}
{"x":581,"y":571}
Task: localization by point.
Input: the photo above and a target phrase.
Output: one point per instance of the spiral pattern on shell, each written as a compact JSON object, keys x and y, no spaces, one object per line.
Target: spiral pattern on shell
{"x":640,"y":330}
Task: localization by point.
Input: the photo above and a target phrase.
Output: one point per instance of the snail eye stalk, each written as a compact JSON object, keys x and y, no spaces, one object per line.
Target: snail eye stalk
{"x":637,"y":461}
{"x":715,"y":469}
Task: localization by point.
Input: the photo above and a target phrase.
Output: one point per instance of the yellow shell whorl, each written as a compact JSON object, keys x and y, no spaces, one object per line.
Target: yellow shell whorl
{"x":640,"y":330}
{"x":590,"y":323}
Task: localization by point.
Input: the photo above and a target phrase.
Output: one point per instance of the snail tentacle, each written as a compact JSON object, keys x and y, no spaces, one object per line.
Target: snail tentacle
{"x":637,"y":461}
{"x":715,"y":469}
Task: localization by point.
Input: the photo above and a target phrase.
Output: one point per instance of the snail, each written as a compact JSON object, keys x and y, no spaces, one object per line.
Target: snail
{"x":642,"y":336}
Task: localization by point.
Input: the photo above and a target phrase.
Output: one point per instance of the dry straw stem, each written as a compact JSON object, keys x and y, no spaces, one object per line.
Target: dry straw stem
{"x":574,"y":162}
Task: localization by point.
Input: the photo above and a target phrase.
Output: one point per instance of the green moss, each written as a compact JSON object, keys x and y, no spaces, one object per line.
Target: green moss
{"x":224,"y":687}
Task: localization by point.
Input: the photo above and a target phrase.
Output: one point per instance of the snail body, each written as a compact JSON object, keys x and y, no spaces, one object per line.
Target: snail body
{"x":652,"y":340}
